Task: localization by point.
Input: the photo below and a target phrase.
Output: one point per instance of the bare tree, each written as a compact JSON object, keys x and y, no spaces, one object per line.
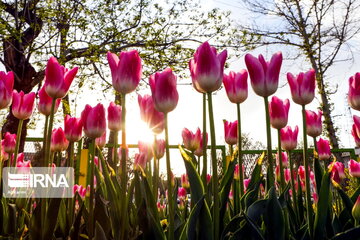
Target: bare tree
{"x":319,"y":29}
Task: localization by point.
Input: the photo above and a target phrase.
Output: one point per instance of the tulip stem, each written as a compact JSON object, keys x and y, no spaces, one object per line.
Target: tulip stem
{"x":315,"y":146}
{"x":45,"y":139}
{"x":282,"y":178}
{"x":169,"y":182}
{"x":292,"y":183}
{"x":18,"y":137}
{"x":241,"y":174}
{"x":48,"y":136}
{"x":307,"y":176}
{"x":216,"y":214}
{"x":123,"y":173}
{"x":156,"y":170}
{"x":204,"y":144}
{"x":91,"y":199}
{"x":270,"y":170}
{"x":115,"y":153}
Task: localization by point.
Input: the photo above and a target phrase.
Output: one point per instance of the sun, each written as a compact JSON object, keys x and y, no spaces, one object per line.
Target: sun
{"x":137,"y":130}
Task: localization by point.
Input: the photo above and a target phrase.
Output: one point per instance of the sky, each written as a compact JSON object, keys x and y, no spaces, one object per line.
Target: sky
{"x":188,"y":112}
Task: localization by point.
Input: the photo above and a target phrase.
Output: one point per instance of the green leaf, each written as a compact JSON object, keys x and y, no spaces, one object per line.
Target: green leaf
{"x":190,"y":229}
{"x":255,"y":231}
{"x":99,"y":232}
{"x":232,"y":226}
{"x":274,"y":219}
{"x":352,"y":233}
{"x":319,"y":172}
{"x":322,"y":208}
{"x":256,"y":173}
{"x":52,"y":217}
{"x":348,"y":203}
{"x":257,"y":209}
{"x":355,"y":194}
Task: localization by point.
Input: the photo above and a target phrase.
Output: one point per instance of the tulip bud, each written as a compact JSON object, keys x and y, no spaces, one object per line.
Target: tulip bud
{"x":148,"y":113}
{"x":337,"y":172}
{"x":246,"y":183}
{"x":302,"y":87}
{"x":45,"y":102}
{"x":354,"y":91}
{"x":163,"y":89}
{"x":289,"y":138}
{"x":23,"y":105}
{"x":313,"y":123}
{"x":356,"y":210}
{"x":236,"y":86}
{"x":284,"y":159}
{"x":279,"y":111}
{"x":208,"y":178}
{"x":22,"y":164}
{"x":73,"y":128}
{"x":58,"y":78}
{"x":145,"y":148}
{"x":94,"y":120}
{"x":9,"y":142}
{"x":199,"y":151}
{"x":185,"y":181}
{"x":230,"y":129}
{"x":140,"y":161}
{"x":101,"y":141}
{"x":191,"y":141}
{"x":159,"y":148}
{"x":354,"y":168}
{"x":207,"y":68}
{"x":114,"y":117}
{"x":58,"y":140}
{"x":4,"y":156}
{"x":323,"y":147}
{"x":264,"y":75}
{"x":125,"y":71}
{"x":6,"y":88}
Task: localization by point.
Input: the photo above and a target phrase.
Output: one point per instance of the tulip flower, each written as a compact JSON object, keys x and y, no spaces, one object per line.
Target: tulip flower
{"x":323,"y":147}
{"x":45,"y":102}
{"x":73,"y":128}
{"x":148,"y":113}
{"x":208,"y":178}
{"x":301,"y":172}
{"x":279,"y":111}
{"x":191,"y":140}
{"x":6,"y":88}
{"x":58,"y":78}
{"x":264,"y":75}
{"x":230,"y":129}
{"x":337,"y":172}
{"x":94,"y":120}
{"x":356,"y":211}
{"x":101,"y":141}
{"x":163,"y":89}
{"x":58,"y":140}
{"x":354,"y":133}
{"x":354,"y":168}
{"x":284,"y":159}
{"x":4,"y":156}
{"x":287,"y":174}
{"x":114,"y":117}
{"x":22,"y":164}
{"x":236,"y":86}
{"x":9,"y":142}
{"x":140,"y":160}
{"x":145,"y":148}
{"x":354,"y":91}
{"x":207,"y":68}
{"x":125,"y":70}
{"x":302,"y":87}
{"x":313,"y":123}
{"x":160,"y":148}
{"x":289,"y":138}
{"x":79,"y":189}
{"x":185,"y":181}
{"x":199,"y":151}
{"x":23,"y":105}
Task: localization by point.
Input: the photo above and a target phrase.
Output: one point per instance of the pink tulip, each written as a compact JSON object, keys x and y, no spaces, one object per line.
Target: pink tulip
{"x":125,"y":71}
{"x":302,"y":87}
{"x":150,"y":115}
{"x":246,"y":183}
{"x":146,"y":149}
{"x":207,"y":68}
{"x":315,"y":197}
{"x":287,"y":175}
{"x":236,"y":86}
{"x":9,"y":142}
{"x":199,"y":151}
{"x":80,"y":189}
{"x":4,"y":156}
{"x":264,"y":75}
{"x":279,"y":111}
{"x":323,"y":147}
{"x":354,"y":168}
{"x":94,"y":120}
{"x":191,"y":140}
{"x":45,"y":103}
{"x":6,"y":88}
{"x":313,"y":123}
{"x":101,"y":141}
{"x":208,"y":178}
{"x":73,"y":128}
{"x":21,"y":163}
{"x":58,"y":140}
{"x":23,"y":105}
{"x":337,"y":171}
{"x":237,"y":171}
{"x":301,"y":172}
{"x":163,"y":89}
{"x":58,"y":78}
{"x":114,"y":117}
{"x":289,"y":137}
{"x":181,"y":193}
{"x":284,"y":159}
{"x":354,"y":133}
{"x":185,"y":181}
{"x":140,"y":160}
{"x":159,"y":148}
{"x":231,"y":136}
{"x":354,"y":91}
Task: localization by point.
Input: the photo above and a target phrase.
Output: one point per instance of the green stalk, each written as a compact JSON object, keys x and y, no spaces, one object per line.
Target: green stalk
{"x":282,"y":178}
{"x":156,"y":171}
{"x":48,"y":136}
{"x":123,"y":173}
{"x":91,"y":223}
{"x":71,"y":202}
{"x":115,"y":153}
{"x":18,"y":137}
{"x":240,"y":151}
{"x":216,"y":213}
{"x":293,"y":183}
{"x":45,"y":139}
{"x":270,"y":170}
{"x":169,"y":183}
{"x":204,"y":144}
{"x":307,"y":177}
